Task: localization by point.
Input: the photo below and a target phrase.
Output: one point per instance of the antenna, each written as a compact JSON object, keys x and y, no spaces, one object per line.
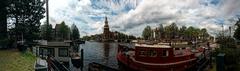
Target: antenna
{"x":230,"y":30}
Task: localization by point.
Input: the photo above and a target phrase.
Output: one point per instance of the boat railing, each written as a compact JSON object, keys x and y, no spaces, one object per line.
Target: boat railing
{"x":56,"y":65}
{"x":125,"y":48}
{"x":185,"y":58}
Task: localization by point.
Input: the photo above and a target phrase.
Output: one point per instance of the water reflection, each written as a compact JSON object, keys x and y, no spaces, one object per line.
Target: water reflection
{"x":103,"y":53}
{"x":106,"y":53}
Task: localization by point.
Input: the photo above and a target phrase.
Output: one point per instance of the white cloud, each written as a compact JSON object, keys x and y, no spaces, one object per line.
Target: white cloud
{"x":183,"y":12}
{"x":131,"y":16}
{"x":230,"y":7}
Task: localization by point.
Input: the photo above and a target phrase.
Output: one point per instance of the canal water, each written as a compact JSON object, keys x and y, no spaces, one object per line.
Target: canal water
{"x":100,"y":52}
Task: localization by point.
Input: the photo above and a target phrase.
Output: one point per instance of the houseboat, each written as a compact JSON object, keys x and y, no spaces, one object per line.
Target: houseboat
{"x":58,"y":56}
{"x":158,"y":57}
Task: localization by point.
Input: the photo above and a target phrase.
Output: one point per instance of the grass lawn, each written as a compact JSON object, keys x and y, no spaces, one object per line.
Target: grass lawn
{"x":13,"y":60}
{"x":214,"y":67}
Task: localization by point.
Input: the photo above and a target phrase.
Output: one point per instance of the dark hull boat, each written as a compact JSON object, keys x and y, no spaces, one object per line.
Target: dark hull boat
{"x":76,"y":61}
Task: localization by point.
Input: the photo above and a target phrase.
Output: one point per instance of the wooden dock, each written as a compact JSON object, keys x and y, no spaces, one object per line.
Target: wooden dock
{"x":99,"y":67}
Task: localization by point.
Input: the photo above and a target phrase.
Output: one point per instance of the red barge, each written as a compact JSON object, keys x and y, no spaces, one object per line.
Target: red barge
{"x":158,"y":57}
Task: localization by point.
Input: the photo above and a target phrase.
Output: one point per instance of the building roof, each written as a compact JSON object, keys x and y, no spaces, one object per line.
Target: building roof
{"x":61,"y":44}
{"x":65,"y":43}
{"x":106,"y":23}
{"x":57,"y":26}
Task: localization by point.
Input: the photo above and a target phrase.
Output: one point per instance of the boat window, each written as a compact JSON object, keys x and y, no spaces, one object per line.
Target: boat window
{"x":51,"y":51}
{"x":142,"y":53}
{"x":63,"y":52}
{"x":152,"y":53}
{"x":177,"y":48}
{"x":45,"y":52}
{"x":183,"y":48}
{"x":164,"y":53}
{"x":41,"y":51}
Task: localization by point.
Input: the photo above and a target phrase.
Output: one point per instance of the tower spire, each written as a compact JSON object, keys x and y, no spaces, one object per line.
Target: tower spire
{"x":106,"y":21}
{"x":106,"y":32}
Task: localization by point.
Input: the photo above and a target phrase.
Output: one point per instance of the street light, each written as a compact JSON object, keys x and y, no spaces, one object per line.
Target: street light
{"x":47,"y":13}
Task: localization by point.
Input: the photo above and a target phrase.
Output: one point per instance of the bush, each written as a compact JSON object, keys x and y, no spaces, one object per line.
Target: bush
{"x":4,"y":43}
{"x":232,"y":54}
{"x":22,"y":47}
{"x":226,"y":42}
{"x":232,"y":57}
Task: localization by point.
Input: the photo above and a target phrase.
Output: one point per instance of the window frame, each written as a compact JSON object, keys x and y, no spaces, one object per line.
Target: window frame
{"x":142,"y":53}
{"x":152,"y":53}
{"x":50,"y":51}
{"x":60,"y":52}
{"x":164,"y":53}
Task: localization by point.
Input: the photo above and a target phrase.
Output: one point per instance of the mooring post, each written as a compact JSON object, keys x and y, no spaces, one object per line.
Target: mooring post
{"x":220,"y":62}
{"x":82,"y":53}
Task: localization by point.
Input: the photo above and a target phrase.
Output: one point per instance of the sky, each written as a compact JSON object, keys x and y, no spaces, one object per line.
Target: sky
{"x":132,"y":16}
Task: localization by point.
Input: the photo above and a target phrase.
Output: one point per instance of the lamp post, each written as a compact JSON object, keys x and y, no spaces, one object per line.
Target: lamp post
{"x":222,"y":31}
{"x":47,"y":13}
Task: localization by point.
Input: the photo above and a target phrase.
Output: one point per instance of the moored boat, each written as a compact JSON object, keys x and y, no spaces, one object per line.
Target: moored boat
{"x":157,"y":57}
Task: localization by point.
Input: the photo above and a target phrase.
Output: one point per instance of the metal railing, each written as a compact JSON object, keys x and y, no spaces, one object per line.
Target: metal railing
{"x":57,"y":66}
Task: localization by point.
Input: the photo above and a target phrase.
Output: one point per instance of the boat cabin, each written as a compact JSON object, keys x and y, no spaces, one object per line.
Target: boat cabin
{"x":155,"y":57}
{"x":161,"y":53}
{"x":59,"y":50}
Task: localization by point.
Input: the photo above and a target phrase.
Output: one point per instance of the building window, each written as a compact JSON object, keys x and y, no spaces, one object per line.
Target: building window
{"x":63,"y":52}
{"x":50,"y":51}
{"x":164,"y":53}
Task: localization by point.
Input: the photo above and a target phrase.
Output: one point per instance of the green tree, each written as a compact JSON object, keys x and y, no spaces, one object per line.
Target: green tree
{"x":3,"y":23}
{"x":46,"y":32}
{"x":161,"y":30}
{"x":227,"y":46}
{"x":171,"y":31}
{"x":232,"y":57}
{"x":64,"y":31}
{"x":237,"y":31}
{"x":190,"y":33}
{"x":182,"y":32}
{"x":26,"y":15}
{"x":196,"y":33}
{"x":147,"y":32}
{"x":74,"y":32}
{"x":204,"y":34}
{"x":132,"y":37}
{"x":121,"y":36}
{"x":167,"y":32}
{"x":232,"y":54}
{"x":3,"y":18}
